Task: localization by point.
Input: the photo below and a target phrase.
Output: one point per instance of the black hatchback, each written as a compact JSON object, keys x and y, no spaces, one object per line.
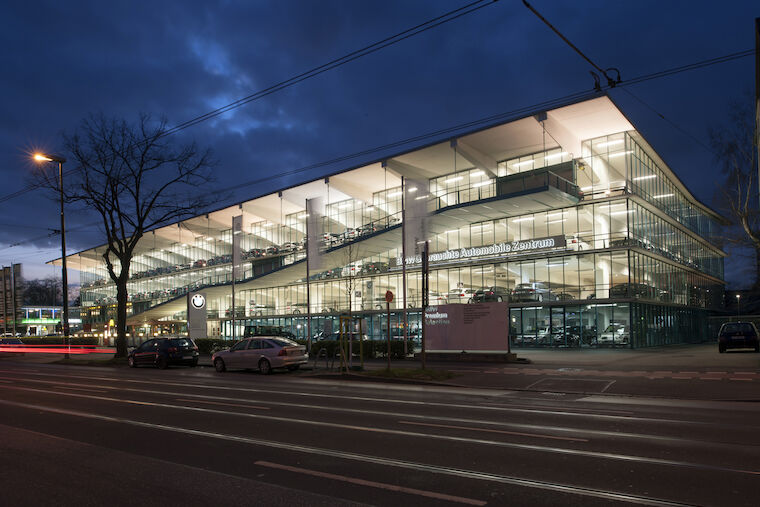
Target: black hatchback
{"x":163,"y":352}
{"x":738,"y":335}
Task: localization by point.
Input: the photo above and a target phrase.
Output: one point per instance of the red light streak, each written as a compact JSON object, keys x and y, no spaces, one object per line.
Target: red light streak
{"x":57,"y":349}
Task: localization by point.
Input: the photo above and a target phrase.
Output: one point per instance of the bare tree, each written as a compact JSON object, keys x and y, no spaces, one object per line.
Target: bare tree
{"x":736,"y":152}
{"x":136,"y":180}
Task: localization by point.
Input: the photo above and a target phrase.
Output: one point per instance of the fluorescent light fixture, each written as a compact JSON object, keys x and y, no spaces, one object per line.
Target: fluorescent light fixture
{"x":482,"y":183}
{"x":586,"y":189}
{"x":452,"y":180}
{"x":620,"y":154}
{"x":561,"y":214}
{"x":526,"y":162}
{"x":609,"y":143}
{"x":556,"y":221}
{"x":394,"y":194}
{"x":184,"y":245}
{"x":419,"y":197}
{"x":624,"y":212}
{"x":412,"y":190}
{"x":478,"y":226}
{"x":647,"y":177}
{"x":556,"y":155}
{"x":477,"y":174}
{"x":451,"y":231}
{"x":209,"y":239}
{"x":303,"y":215}
{"x":523,"y":219}
{"x":662,"y":196}
{"x":555,"y":264}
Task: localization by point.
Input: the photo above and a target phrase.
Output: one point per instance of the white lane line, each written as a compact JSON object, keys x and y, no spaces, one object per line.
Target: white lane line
{"x":473,"y":428}
{"x":434,"y":469}
{"x":87,"y":389}
{"x":411,"y":434}
{"x":497,"y":407}
{"x":293,"y":405}
{"x":372,"y":484}
{"x":225,"y":404}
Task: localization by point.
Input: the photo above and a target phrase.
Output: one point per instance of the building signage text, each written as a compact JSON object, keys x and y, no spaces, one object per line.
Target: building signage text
{"x":513,"y":247}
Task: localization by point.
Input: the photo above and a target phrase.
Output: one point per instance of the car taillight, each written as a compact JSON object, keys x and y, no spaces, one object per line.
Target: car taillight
{"x":282,"y":352}
{"x":172,"y":349}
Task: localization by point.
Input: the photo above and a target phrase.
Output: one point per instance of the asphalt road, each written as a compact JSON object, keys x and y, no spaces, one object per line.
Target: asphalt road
{"x":92,"y":436}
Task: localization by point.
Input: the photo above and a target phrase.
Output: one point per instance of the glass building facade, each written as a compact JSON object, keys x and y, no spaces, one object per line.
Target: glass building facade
{"x":599,"y":248}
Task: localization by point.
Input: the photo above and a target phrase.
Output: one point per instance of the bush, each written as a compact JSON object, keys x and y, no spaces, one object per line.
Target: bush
{"x":371,"y":349}
{"x":57,"y":340}
{"x":211,"y":345}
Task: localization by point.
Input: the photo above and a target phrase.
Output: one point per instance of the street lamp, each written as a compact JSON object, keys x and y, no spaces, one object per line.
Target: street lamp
{"x":738,"y":301}
{"x":44,"y":157}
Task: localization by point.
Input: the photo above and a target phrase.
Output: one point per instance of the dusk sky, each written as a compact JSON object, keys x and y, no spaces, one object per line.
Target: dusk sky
{"x":63,"y":60}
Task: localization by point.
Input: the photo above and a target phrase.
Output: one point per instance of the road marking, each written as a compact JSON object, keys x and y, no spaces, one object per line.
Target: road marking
{"x":472,"y":428}
{"x":372,"y":484}
{"x":88,"y":389}
{"x":411,"y":434}
{"x":226,"y":404}
{"x":434,"y":469}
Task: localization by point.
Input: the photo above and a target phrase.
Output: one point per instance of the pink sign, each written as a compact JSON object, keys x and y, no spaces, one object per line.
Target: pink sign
{"x":472,"y":327}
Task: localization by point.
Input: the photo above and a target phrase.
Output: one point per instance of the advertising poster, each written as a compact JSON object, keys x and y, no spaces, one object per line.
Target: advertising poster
{"x":477,"y":327}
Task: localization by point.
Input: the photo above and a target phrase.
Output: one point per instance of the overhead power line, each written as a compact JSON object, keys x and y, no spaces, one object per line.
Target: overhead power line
{"x":354,"y":55}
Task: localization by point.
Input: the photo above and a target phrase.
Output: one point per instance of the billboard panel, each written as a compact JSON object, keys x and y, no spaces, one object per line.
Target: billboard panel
{"x":477,"y":327}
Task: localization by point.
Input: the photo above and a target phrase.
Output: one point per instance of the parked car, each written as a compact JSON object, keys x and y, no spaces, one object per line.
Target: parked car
{"x":264,"y":353}
{"x":163,"y":352}
{"x":491,"y":294}
{"x":614,"y":334}
{"x":457,"y":295}
{"x":532,"y":291}
{"x":371,"y":268}
{"x":738,"y":335}
{"x":336,"y":336}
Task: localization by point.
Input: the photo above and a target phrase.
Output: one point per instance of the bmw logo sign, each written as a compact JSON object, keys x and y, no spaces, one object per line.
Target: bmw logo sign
{"x":198,"y":301}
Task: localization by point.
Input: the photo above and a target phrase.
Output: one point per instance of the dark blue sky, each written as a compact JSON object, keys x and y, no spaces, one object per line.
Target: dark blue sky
{"x":62,"y":60}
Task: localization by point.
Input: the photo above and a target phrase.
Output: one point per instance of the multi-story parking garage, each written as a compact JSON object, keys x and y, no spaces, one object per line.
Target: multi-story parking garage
{"x":568,"y":214}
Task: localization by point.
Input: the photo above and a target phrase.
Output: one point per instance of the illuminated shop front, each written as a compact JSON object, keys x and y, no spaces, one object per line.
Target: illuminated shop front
{"x":592,"y":240}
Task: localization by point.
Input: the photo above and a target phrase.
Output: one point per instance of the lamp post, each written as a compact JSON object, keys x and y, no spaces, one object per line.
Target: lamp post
{"x":738,"y":301}
{"x":42,"y":157}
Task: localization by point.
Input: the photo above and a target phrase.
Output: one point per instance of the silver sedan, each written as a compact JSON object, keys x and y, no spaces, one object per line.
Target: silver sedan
{"x":263,"y":353}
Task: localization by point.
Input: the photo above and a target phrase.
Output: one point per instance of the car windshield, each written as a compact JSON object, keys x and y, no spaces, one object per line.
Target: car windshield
{"x":282,"y":342}
{"x":738,"y":327}
{"x":181,"y":342}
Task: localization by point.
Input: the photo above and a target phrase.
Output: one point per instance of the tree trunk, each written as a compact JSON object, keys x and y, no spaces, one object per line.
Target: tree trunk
{"x":121,"y":317}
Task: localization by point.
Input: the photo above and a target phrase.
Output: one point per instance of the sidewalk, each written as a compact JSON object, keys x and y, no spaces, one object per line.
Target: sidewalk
{"x":683,"y":371}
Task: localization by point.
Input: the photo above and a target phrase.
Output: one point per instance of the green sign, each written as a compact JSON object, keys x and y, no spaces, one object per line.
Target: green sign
{"x":40,"y":321}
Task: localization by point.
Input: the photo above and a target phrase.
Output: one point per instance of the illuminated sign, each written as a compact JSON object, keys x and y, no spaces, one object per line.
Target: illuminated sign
{"x":198,"y":301}
{"x":40,"y":321}
{"x":506,"y":248}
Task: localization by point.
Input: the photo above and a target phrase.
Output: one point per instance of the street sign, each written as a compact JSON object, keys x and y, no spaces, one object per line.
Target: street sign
{"x":388,"y":296}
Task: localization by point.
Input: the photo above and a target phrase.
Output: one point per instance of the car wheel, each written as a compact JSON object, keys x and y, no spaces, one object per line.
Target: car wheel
{"x":162,"y":363}
{"x":469,"y":301}
{"x":721,"y":348}
{"x":296,"y":312}
{"x":499,"y":299}
{"x":264,"y":367}
{"x":131,"y":362}
{"x":219,"y":365}
{"x":293,"y":367}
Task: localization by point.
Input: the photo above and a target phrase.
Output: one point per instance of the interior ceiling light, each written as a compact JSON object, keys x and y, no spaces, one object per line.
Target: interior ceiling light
{"x":394,"y":194}
{"x":452,"y":180}
{"x":527,"y":162}
{"x":609,"y":143}
{"x":412,"y":190}
{"x":477,"y":173}
{"x":620,"y":153}
{"x":482,"y":183}
{"x":523,"y":219}
{"x":555,"y":155}
{"x":647,"y":177}
{"x":662,"y":196}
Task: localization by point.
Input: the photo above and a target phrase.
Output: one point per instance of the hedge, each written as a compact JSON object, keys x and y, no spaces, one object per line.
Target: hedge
{"x":58,"y":340}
